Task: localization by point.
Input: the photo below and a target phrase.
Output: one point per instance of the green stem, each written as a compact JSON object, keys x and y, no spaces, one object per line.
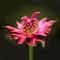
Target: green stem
{"x":30,"y":53}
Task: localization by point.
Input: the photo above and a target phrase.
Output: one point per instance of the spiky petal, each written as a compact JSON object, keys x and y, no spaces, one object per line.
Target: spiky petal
{"x":12,"y":29}
{"x":44,"y":27}
{"x":34,"y":15}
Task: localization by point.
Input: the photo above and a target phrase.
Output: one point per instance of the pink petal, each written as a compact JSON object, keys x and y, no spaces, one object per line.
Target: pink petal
{"x":32,"y":42}
{"x":34,"y":15}
{"x":41,"y":33}
{"x":42,"y":23}
{"x":19,"y":25}
{"x":12,"y":29}
{"x":25,"y":18}
{"x":21,"y":39}
{"x":13,"y":35}
{"x":49,"y":26}
{"x":42,"y":42}
{"x":50,"y":23}
{"x":44,"y":27}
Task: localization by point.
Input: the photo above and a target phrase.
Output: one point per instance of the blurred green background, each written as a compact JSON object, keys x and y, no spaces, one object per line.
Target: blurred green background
{"x":12,"y":11}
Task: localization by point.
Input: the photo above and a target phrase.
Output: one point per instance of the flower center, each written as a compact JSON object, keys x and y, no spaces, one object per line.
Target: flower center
{"x":30,"y":27}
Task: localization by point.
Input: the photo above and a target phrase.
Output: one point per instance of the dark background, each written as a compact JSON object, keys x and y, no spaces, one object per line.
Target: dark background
{"x":11,"y":11}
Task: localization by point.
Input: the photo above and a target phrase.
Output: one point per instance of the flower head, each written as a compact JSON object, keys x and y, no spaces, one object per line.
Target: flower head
{"x":30,"y":30}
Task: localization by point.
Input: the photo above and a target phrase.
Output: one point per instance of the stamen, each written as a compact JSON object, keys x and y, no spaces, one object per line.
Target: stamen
{"x":30,"y":27}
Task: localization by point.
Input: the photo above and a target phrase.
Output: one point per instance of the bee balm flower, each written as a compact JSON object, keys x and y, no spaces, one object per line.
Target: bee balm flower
{"x":30,"y":30}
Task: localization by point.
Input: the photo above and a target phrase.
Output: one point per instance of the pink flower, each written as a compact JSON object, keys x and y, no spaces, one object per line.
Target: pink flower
{"x":30,"y":30}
